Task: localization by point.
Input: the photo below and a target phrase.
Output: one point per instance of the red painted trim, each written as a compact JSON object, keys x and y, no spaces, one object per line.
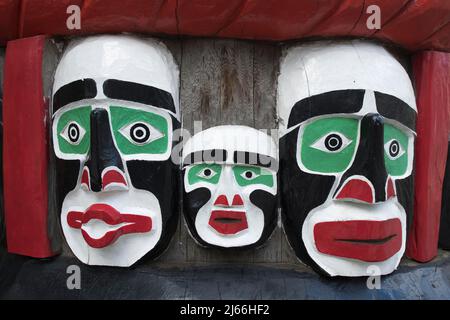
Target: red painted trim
{"x":25,"y":149}
{"x":414,"y":24}
{"x":432,"y":82}
{"x":9,"y":20}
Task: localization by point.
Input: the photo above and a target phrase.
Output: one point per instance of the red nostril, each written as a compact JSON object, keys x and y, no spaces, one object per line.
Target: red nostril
{"x":113,"y":178}
{"x":85,"y":178}
{"x":390,"y":189}
{"x":356,"y":189}
{"x":237,"y":200}
{"x":221,"y":201}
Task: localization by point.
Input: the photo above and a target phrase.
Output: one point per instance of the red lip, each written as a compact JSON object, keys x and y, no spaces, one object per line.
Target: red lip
{"x":370,"y":241}
{"x":228,"y":222}
{"x":111,"y":216}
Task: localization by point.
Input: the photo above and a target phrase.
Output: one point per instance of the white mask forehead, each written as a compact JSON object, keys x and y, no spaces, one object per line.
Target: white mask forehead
{"x":232,"y":138}
{"x":127,"y":58}
{"x":324,"y":66}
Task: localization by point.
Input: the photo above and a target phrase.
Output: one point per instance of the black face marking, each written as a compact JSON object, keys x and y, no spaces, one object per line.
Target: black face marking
{"x":267,"y":202}
{"x":369,"y":158}
{"x":393,"y":108}
{"x":140,"y":93}
{"x":192,"y":202}
{"x":340,"y":101}
{"x":300,"y":192}
{"x":103,"y":152}
{"x":74,"y":91}
{"x":212,"y":155}
{"x":159,"y":177}
{"x":256,"y":159}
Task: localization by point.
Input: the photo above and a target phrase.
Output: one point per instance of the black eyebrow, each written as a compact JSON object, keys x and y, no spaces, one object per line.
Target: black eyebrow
{"x":74,"y":91}
{"x":339,"y":101}
{"x":213,"y":155}
{"x":256,"y":159}
{"x":394,"y":108}
{"x":140,"y":93}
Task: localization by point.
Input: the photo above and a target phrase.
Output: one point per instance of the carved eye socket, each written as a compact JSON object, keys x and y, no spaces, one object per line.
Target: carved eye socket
{"x":332,"y":142}
{"x":73,"y":133}
{"x":393,"y":149}
{"x":140,"y":133}
{"x":206,"y":173}
{"x":249,"y":175}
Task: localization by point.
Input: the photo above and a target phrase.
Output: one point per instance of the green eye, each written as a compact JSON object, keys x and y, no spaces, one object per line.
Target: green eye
{"x":207,"y":173}
{"x":247,"y":175}
{"x":332,"y":142}
{"x":204,"y":173}
{"x":73,"y":132}
{"x":395,"y":150}
{"x":327,"y":145}
{"x":140,"y":131}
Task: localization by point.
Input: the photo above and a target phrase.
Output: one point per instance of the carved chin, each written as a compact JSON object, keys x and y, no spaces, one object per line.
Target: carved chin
{"x":230,"y":228}
{"x":111,"y":229}
{"x":346,"y":239}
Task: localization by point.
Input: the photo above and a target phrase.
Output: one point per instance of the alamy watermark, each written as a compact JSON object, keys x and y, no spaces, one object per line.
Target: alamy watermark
{"x":74,"y":278}
{"x":374,"y":280}
{"x":73,"y":21}
{"x":373,"y":22}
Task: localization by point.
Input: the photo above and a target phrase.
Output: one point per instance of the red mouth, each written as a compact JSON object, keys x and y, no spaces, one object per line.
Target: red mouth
{"x":228,"y":222}
{"x":109,"y":215}
{"x":370,"y":241}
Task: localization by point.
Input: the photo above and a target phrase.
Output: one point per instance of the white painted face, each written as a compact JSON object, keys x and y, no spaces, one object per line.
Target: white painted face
{"x":115,"y":102}
{"x":223,"y":189}
{"x":348,"y":110}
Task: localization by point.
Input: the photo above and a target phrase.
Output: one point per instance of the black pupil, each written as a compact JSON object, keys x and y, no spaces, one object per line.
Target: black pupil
{"x":248,"y":174}
{"x":140,"y":132}
{"x":74,"y":132}
{"x":333,"y":142}
{"x":394,"y":148}
{"x":207,"y":172}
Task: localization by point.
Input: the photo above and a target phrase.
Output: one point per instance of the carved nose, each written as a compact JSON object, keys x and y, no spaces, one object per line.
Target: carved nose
{"x":356,"y":189}
{"x":112,"y":178}
{"x":103,"y":156}
{"x":222,"y":201}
